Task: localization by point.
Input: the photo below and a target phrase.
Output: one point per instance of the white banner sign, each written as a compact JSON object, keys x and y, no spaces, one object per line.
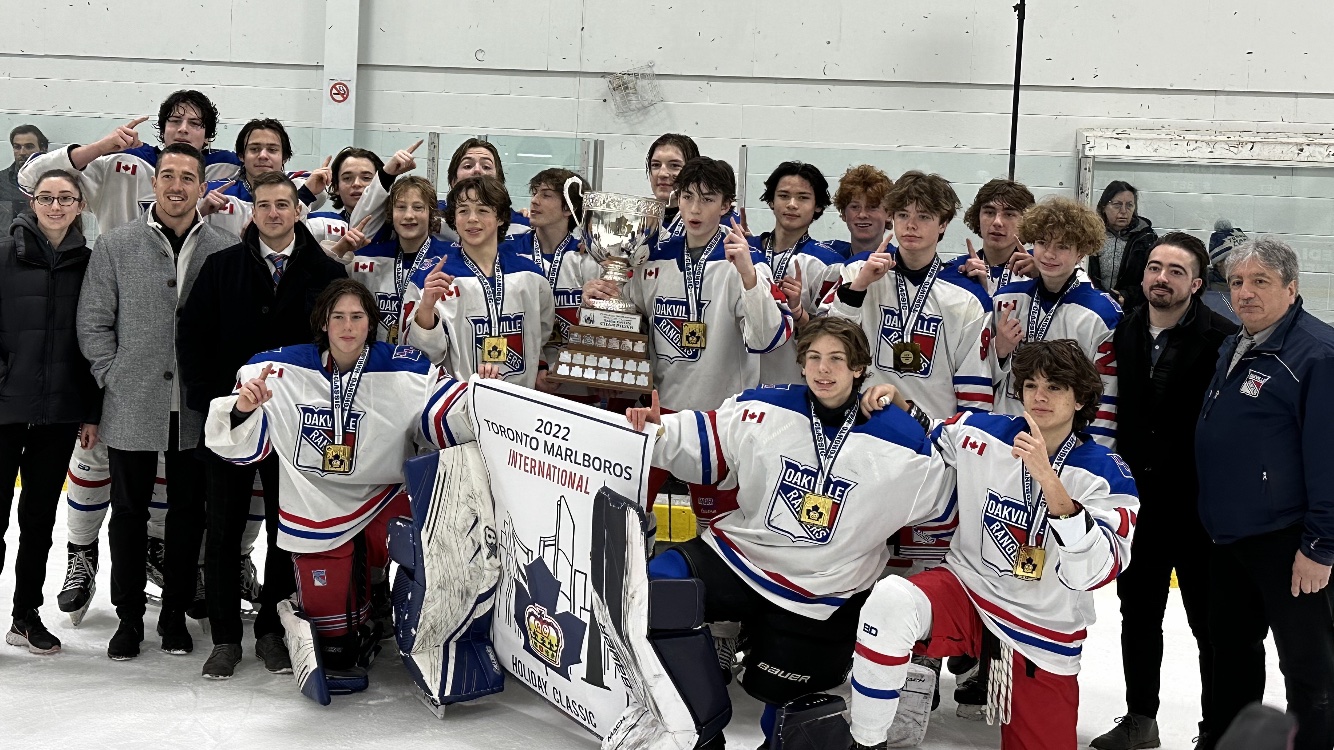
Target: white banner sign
{"x":547,"y":457}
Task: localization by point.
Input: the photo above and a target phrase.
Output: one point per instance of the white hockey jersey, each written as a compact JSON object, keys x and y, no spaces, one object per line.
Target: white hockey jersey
{"x":1044,"y":620}
{"x":1084,"y":314}
{"x":240,"y":204}
{"x":375,"y":196}
{"x":119,"y":187}
{"x":820,"y":273}
{"x":953,"y":330}
{"x":566,"y":278}
{"x":402,"y":401}
{"x":378,"y":268}
{"x":807,"y":557}
{"x":465,"y":317}
{"x":739,"y":323}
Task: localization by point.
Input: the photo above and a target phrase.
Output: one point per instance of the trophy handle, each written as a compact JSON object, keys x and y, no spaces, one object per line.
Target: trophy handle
{"x":565,"y":194}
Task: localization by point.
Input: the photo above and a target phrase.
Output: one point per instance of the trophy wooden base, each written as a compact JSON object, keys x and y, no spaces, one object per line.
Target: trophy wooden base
{"x":603,"y":358}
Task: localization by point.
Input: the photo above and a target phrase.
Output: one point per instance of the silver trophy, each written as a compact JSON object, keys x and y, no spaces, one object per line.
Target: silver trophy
{"x":616,"y":232}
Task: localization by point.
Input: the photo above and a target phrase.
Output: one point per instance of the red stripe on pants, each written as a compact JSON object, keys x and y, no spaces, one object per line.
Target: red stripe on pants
{"x":323,"y":579}
{"x":1044,"y":708}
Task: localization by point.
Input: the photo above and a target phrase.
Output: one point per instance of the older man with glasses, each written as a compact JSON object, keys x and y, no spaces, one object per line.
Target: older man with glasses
{"x":1267,"y":496}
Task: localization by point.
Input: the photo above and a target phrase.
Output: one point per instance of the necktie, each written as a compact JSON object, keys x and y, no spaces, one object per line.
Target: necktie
{"x":1244,"y":345}
{"x":277,"y":260}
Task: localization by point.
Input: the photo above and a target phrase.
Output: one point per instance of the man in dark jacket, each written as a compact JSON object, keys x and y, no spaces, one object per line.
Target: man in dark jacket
{"x":1267,"y":496}
{"x":1166,"y":353}
{"x":27,"y":141}
{"x":252,"y":297}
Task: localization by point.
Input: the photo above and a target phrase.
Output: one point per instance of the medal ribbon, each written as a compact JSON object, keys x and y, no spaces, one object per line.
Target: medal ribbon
{"x":826,"y":452}
{"x":1037,"y":323}
{"x":1037,"y":516}
{"x":341,"y":400}
{"x":695,"y":276}
{"x":557,"y":258}
{"x":493,"y":288}
{"x":780,"y":269}
{"x":914,"y":309}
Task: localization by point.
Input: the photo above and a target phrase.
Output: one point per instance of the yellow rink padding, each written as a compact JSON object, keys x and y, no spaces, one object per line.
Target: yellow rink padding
{"x":676,"y":521}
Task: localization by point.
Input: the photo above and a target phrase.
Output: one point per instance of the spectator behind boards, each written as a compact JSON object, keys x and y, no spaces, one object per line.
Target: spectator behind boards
{"x":27,"y":141}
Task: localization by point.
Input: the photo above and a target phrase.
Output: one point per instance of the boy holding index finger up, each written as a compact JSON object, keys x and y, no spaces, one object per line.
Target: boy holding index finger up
{"x":1059,"y":304}
{"x":711,"y":303}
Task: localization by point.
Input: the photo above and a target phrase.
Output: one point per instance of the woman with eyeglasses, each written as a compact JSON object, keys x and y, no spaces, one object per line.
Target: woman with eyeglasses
{"x":48,"y":398}
{"x":1119,"y":268}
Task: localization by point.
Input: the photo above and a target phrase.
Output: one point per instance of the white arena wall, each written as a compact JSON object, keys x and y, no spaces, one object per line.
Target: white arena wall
{"x":920,"y":85}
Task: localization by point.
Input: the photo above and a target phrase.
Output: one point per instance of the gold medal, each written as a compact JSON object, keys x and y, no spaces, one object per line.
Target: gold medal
{"x":908,"y":356}
{"x":817,"y":510}
{"x":392,"y":336}
{"x":495,"y":349}
{"x":337,"y":459}
{"x":1028,"y":563}
{"x":694,"y":335}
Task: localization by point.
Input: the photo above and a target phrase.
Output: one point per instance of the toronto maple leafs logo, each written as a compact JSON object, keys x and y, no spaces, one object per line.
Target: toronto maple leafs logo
{"x":317,"y":433}
{"x":669,"y":318}
{"x":802,"y":513}
{"x":556,"y":638}
{"x":1005,"y":521}
{"x":924,"y":335}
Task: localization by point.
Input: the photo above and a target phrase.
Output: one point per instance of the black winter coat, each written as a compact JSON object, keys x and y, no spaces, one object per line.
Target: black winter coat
{"x":1156,"y":411}
{"x":234,"y":312}
{"x":44,"y":379}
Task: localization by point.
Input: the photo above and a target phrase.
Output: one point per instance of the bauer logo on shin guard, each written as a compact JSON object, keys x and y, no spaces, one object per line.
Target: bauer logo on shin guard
{"x":782,"y":674}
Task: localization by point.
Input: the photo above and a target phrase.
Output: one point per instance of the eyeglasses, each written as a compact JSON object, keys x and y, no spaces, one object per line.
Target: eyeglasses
{"x":64,"y":200}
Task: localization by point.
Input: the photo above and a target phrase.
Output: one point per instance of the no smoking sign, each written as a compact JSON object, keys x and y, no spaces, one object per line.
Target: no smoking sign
{"x":339,"y":92}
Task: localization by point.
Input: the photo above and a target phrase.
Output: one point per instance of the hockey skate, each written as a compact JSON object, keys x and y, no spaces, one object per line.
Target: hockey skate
{"x":250,"y":587}
{"x":80,"y":582}
{"x":156,"y":561}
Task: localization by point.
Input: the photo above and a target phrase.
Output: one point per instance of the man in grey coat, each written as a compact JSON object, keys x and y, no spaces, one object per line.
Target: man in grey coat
{"x":137,"y":281}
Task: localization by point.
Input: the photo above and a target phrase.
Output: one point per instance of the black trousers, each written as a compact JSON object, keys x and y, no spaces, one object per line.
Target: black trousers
{"x":1165,"y":538}
{"x":1250,"y":594}
{"x":40,"y":454}
{"x":133,"y":474}
{"x":229,"y":492}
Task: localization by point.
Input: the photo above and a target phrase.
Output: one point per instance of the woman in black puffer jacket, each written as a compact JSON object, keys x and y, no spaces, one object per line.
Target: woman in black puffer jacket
{"x":48,"y":398}
{"x":1119,"y":268}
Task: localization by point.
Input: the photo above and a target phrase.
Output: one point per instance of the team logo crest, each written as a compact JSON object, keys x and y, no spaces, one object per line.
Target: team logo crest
{"x":567,"y":313}
{"x":556,"y":638}
{"x":803,"y":512}
{"x":670,"y":316}
{"x":317,"y":434}
{"x":511,"y":330}
{"x":1005,"y":521}
{"x":924,"y":335}
{"x":389,"y":306}
{"x":1253,"y":383}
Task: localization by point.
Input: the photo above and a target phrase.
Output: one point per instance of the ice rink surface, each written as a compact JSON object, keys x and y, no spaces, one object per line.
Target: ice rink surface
{"x":79,"y":698}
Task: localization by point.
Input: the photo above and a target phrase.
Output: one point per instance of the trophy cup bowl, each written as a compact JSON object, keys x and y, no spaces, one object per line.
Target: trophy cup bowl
{"x":607,"y":350}
{"x":617,"y":231}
